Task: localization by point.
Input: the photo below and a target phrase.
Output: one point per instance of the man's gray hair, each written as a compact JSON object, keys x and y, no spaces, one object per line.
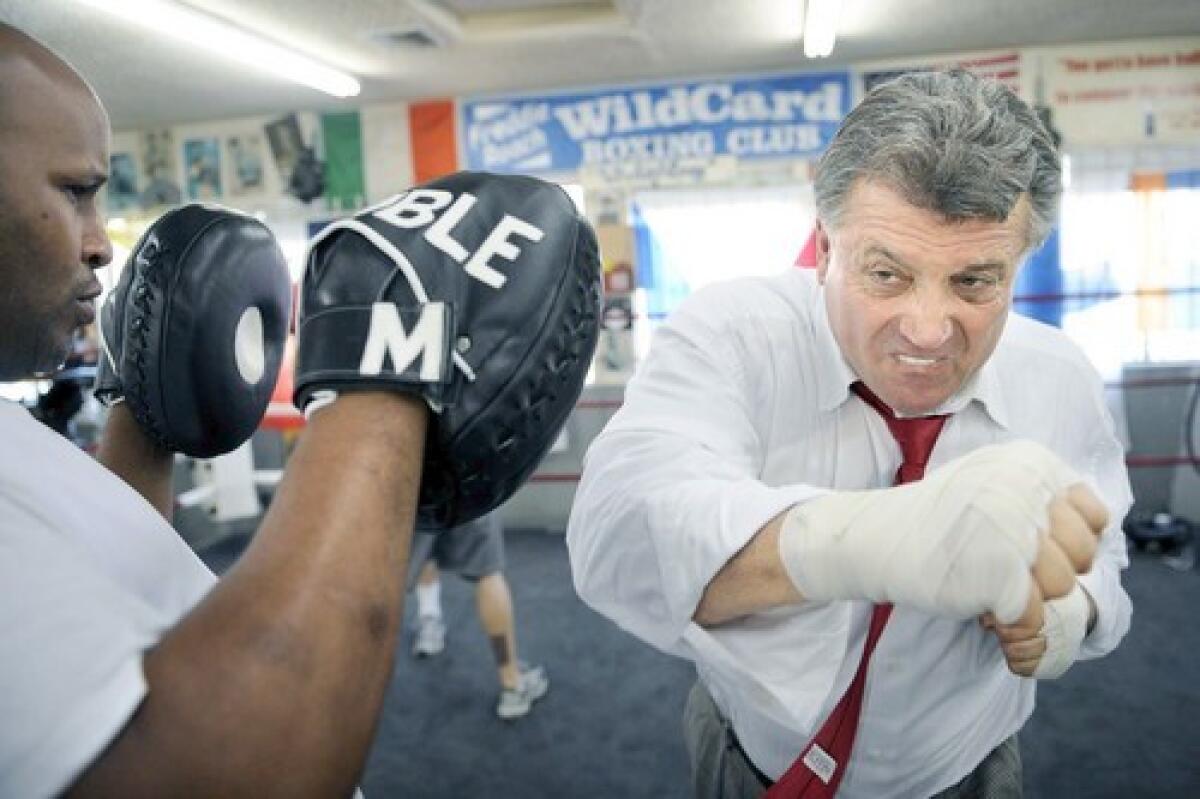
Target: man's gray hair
{"x":949,"y":142}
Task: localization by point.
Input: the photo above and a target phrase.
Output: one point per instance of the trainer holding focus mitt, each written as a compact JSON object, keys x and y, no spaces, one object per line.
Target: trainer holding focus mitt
{"x":450,"y":327}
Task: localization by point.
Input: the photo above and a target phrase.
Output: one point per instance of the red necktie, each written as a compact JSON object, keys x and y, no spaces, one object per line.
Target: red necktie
{"x":818,"y":770}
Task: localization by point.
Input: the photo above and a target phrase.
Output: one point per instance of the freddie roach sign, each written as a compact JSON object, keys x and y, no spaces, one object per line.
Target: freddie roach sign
{"x":781,"y":116}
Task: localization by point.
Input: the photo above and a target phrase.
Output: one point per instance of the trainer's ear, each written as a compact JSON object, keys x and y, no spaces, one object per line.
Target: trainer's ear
{"x":821,"y":240}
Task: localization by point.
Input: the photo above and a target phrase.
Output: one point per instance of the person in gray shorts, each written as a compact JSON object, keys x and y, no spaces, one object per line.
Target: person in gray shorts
{"x":475,"y":552}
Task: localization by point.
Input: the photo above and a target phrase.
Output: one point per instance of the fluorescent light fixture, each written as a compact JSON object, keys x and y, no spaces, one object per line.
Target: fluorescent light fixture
{"x":223,"y":38}
{"x":820,"y":27}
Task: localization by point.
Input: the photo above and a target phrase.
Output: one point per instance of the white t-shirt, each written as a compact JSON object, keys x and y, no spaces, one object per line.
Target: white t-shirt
{"x":90,"y":577}
{"x":743,"y":408}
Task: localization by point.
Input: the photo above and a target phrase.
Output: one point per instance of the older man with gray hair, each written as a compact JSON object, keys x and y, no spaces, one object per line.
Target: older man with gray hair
{"x":866,"y":500}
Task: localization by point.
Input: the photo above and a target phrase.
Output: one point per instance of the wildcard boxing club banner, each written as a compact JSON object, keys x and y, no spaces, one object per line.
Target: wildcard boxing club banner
{"x":685,"y":122}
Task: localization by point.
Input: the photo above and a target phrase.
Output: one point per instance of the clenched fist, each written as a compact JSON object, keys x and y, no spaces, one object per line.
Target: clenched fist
{"x":1044,"y":642}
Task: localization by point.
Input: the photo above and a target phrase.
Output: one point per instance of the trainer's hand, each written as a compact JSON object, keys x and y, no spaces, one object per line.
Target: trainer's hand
{"x":479,"y":294}
{"x":192,"y":335}
{"x":959,"y":543}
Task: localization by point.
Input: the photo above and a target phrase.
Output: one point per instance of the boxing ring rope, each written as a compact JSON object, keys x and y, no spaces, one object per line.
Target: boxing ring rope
{"x":1162,"y":292}
{"x":282,"y":415}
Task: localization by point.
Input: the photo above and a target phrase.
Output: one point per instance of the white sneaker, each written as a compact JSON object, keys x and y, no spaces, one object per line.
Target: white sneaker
{"x":431,"y":637}
{"x":516,"y":702}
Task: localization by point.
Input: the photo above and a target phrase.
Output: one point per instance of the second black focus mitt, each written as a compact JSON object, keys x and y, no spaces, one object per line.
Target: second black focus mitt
{"x":192,"y":335}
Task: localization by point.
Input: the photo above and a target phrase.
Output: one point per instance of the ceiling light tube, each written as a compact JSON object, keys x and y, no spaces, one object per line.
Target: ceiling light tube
{"x":225,"y":39}
{"x":820,"y":27}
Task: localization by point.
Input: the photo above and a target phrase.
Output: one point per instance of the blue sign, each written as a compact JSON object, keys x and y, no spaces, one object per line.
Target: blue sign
{"x":669,"y":124}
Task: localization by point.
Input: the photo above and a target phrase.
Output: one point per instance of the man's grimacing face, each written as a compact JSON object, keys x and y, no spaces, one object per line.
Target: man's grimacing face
{"x":917,"y":303}
{"x":54,"y":146}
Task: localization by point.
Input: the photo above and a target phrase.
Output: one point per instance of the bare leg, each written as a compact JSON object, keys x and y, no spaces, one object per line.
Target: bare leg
{"x":494,"y":603}
{"x":429,"y":573}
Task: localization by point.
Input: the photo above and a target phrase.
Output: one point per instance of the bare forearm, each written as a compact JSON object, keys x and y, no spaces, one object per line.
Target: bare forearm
{"x":274,"y":683}
{"x":133,"y":457}
{"x":752,"y":580}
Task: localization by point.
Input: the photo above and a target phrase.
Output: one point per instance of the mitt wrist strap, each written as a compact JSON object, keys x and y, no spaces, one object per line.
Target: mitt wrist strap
{"x":382,"y":345}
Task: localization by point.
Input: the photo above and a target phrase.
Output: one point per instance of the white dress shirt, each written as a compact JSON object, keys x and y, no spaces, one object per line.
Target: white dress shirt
{"x":742,"y":409}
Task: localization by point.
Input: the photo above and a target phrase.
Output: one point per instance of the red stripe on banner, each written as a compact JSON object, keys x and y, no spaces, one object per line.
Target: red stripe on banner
{"x":1007,"y":58}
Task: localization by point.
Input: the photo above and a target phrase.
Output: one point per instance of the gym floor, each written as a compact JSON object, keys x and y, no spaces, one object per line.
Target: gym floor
{"x":1124,"y":726}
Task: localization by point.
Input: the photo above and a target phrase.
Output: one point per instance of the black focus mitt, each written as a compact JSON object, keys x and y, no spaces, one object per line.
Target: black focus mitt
{"x":478,"y":292}
{"x":193,"y":333}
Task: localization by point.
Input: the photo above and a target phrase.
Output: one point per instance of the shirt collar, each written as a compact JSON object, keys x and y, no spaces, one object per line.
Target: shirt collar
{"x":984,"y":388}
{"x":837,"y":375}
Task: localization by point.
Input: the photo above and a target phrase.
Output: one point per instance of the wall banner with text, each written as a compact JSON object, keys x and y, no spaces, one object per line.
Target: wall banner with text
{"x":1004,"y":67}
{"x":656,"y":126}
{"x":1126,"y":93}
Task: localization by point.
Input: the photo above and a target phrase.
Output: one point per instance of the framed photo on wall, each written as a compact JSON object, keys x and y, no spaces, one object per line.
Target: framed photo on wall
{"x":122,"y":183}
{"x":202,"y":160}
{"x":246,"y":153}
{"x":158,"y":161}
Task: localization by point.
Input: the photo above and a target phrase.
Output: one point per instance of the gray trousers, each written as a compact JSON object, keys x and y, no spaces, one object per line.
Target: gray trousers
{"x":720,"y":770}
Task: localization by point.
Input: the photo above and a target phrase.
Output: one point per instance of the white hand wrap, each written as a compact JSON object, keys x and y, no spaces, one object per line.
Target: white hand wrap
{"x":1064,"y":627}
{"x":958,"y":543}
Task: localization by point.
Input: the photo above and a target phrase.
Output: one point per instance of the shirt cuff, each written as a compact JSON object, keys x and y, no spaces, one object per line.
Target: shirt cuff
{"x":1113,"y":612}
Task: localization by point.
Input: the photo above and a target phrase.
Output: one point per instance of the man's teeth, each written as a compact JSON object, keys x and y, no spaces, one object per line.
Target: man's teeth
{"x":911,"y":361}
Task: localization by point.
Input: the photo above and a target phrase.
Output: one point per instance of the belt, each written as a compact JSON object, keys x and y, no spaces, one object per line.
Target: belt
{"x":732,"y":742}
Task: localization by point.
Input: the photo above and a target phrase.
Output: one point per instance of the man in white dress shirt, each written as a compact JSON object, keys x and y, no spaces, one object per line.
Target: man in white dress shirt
{"x":739,"y":510}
